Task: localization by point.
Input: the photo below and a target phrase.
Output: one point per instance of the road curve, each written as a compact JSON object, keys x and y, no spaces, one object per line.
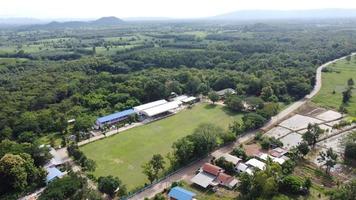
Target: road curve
{"x":188,"y":171}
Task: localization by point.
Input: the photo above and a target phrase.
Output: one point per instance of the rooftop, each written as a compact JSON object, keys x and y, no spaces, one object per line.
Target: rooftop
{"x":203,"y":179}
{"x":264,"y":156}
{"x":278,"y":152}
{"x":53,"y":173}
{"x":180,"y":98}
{"x":224,"y":178}
{"x":189,"y":99}
{"x":160,"y":108}
{"x":224,"y":91}
{"x":116,"y":116}
{"x":179,"y":193}
{"x":149,"y":105}
{"x":212,"y":169}
{"x":231,"y":158}
{"x":256,"y":163}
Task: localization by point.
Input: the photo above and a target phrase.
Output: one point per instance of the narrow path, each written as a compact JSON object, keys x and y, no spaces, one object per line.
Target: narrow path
{"x":186,"y":171}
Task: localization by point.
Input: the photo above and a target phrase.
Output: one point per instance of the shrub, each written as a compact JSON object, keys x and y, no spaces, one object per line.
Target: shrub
{"x":240,"y":153}
{"x":292,"y":185}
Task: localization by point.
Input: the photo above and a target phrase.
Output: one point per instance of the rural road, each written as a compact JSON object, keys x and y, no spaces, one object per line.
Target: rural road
{"x":188,"y":171}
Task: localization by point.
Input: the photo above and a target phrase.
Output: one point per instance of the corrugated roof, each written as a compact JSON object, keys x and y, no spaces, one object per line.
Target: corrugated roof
{"x":224,"y":178}
{"x":224,"y":91}
{"x":189,"y":99}
{"x":212,"y":169}
{"x":160,"y":108}
{"x":149,"y":105}
{"x":116,"y":116}
{"x":53,"y":173}
{"x":181,"y":194}
{"x":256,"y":163}
{"x":203,"y":179}
{"x":180,"y":98}
{"x":231,"y":158}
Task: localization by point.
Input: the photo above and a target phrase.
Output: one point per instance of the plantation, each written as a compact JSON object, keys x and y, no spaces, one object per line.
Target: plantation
{"x":123,"y":154}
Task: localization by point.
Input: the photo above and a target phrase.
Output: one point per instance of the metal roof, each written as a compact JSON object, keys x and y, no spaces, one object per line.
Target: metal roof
{"x":231,"y":158}
{"x":160,"y":109}
{"x":53,"y":173}
{"x":115,"y":116}
{"x":225,"y":91}
{"x":179,"y":193}
{"x":140,"y":108}
{"x":180,"y":98}
{"x":256,"y":163}
{"x":203,"y":179}
{"x":189,"y":99}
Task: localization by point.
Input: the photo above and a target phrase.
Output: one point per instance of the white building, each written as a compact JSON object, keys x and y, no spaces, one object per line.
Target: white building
{"x":256,"y":164}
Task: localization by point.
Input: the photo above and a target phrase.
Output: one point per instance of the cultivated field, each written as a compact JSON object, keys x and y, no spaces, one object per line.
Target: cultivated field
{"x":337,"y":81}
{"x":123,"y":154}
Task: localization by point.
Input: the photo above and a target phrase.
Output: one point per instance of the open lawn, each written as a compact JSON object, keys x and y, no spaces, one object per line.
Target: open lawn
{"x":337,"y":81}
{"x":123,"y":154}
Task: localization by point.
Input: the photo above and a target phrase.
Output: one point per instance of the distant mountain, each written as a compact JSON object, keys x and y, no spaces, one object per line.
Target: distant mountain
{"x":21,"y":21}
{"x":107,"y":21}
{"x":104,"y":21}
{"x":288,"y":14}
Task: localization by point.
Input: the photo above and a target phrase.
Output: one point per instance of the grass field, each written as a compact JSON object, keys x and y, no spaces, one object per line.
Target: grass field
{"x":122,"y":155}
{"x":337,"y":81}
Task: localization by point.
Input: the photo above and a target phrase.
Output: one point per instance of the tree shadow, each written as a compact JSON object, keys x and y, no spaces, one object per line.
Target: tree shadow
{"x":210,"y":106}
{"x":229,"y":112}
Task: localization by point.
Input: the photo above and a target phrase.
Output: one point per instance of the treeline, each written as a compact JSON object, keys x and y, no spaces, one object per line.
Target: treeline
{"x":39,"y":96}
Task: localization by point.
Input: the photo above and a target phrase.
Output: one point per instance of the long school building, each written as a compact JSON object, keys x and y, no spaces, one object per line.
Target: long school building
{"x":114,"y":118}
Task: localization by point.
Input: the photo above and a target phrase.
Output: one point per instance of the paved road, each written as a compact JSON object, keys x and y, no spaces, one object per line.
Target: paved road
{"x":187,"y":172}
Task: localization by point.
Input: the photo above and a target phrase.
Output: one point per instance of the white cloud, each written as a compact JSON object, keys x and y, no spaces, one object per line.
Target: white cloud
{"x":153,"y":8}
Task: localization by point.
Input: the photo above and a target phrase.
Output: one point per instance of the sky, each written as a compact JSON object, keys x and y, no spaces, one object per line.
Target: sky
{"x":51,"y":9}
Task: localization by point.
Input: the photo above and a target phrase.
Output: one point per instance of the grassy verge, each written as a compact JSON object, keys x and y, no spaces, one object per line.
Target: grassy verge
{"x":334,"y":83}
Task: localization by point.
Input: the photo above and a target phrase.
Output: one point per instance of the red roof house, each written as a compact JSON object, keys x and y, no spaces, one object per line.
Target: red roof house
{"x":212,"y":169}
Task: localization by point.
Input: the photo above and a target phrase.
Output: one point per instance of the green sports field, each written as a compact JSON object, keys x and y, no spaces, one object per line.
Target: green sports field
{"x":122,"y":155}
{"x":337,"y":81}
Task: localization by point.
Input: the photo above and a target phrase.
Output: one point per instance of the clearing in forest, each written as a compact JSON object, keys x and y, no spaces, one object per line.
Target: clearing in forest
{"x":123,"y":154}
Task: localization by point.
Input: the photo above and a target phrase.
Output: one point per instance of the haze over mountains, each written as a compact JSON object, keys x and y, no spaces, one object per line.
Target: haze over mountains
{"x":104,"y":21}
{"x":288,"y":14}
{"x":237,"y":15}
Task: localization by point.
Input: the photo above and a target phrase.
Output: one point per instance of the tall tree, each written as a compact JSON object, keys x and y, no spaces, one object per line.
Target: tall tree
{"x":213,"y":96}
{"x":111,"y":185}
{"x":328,"y":159}
{"x":153,"y":167}
{"x":313,"y":134}
{"x":346,"y":95}
{"x":303,"y":149}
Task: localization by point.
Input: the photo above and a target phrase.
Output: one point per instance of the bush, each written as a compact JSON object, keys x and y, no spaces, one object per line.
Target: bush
{"x":240,"y":153}
{"x":268,"y":142}
{"x":227,"y":166}
{"x":292,"y":184}
{"x":253,"y":121}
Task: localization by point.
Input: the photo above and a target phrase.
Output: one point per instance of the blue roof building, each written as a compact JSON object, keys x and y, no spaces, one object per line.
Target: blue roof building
{"x":52,"y":174}
{"x":113,"y":118}
{"x":178,"y":193}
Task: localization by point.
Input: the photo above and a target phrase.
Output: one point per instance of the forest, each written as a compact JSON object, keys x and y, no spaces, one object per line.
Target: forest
{"x":49,"y":76}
